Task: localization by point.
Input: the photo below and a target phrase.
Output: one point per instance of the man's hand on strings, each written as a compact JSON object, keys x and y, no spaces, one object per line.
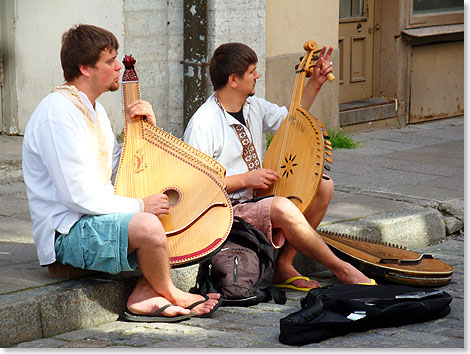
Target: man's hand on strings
{"x":144,"y":109}
{"x":157,"y":204}
{"x":261,"y":178}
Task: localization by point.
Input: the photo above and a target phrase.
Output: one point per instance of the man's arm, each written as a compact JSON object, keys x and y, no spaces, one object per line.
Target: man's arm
{"x":318,"y":78}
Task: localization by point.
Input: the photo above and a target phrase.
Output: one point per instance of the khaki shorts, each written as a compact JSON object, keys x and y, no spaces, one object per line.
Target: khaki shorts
{"x":258,"y":214}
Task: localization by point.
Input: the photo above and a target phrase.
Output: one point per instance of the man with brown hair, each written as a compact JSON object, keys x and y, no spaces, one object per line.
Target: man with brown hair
{"x":70,"y":158}
{"x":229,"y":127}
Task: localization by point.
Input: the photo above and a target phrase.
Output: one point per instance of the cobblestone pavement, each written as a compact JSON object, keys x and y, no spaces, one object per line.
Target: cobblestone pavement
{"x":258,"y":326}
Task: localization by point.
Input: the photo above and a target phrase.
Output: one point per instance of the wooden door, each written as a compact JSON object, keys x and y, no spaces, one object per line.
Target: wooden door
{"x":355,"y":45}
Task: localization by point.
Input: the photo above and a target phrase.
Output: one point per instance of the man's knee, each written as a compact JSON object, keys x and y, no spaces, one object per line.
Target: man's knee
{"x":146,"y":228}
{"x":327,"y":186}
{"x":282,"y":209}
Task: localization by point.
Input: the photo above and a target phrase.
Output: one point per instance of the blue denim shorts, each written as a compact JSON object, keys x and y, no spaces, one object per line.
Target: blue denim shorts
{"x":97,"y":242}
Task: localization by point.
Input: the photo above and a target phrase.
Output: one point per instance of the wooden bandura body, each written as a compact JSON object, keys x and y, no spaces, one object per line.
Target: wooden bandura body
{"x":297,"y":151}
{"x":154,"y":161}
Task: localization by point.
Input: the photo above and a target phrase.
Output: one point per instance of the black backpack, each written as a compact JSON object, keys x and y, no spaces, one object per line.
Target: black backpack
{"x":242,"y":271}
{"x":337,"y":310}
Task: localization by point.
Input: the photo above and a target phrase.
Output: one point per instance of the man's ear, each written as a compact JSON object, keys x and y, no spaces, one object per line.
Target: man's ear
{"x":85,"y":70}
{"x":232,"y":81}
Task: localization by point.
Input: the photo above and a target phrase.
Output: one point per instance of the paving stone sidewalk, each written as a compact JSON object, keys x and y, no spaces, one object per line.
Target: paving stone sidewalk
{"x":402,"y":186}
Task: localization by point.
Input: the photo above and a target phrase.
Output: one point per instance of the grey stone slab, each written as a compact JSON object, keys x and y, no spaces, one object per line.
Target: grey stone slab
{"x":450,"y":149}
{"x":455,"y":183}
{"x":43,"y":343}
{"x":18,"y":253}
{"x":350,"y":167}
{"x":81,"y":307}
{"x":18,"y":190}
{"x":185,"y":277}
{"x":24,"y":276}
{"x":9,"y":288}
{"x":357,"y":206}
{"x":398,"y":136}
{"x":382,"y":179}
{"x":391,"y":162}
{"x":344,"y":154}
{"x":14,"y":207}
{"x":451,"y":133}
{"x":387,"y":145}
{"x":10,"y":147}
{"x":428,"y":192}
{"x":20,"y":323}
{"x":411,"y":228}
{"x":15,"y":230}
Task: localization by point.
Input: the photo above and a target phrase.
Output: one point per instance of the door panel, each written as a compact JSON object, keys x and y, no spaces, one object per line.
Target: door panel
{"x":355,"y":45}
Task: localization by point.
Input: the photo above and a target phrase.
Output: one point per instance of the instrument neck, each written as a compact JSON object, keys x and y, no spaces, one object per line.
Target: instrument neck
{"x":130,"y":93}
{"x":303,"y":69}
{"x":297,"y":94}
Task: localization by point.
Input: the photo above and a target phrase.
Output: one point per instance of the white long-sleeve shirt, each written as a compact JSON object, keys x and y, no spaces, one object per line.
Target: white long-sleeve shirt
{"x":59,"y":169}
{"x":211,"y":130}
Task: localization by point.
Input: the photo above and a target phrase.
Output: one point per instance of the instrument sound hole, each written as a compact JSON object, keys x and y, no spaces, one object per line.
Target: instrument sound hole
{"x":174,"y":196}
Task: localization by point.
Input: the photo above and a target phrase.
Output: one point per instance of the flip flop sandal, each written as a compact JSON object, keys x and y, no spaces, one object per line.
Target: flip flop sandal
{"x":288,"y":284}
{"x":156,"y":316}
{"x":205,"y":315}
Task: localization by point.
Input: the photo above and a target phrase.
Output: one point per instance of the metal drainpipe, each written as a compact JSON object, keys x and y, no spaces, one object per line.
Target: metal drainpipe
{"x":195,"y":56}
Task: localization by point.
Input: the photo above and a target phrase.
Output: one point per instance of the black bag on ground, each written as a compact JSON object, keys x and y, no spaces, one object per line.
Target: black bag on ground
{"x":242,"y":271}
{"x":337,"y":310}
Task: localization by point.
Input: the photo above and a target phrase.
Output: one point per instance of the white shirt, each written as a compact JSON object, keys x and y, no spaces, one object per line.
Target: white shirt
{"x":59,"y":169}
{"x":211,"y":131}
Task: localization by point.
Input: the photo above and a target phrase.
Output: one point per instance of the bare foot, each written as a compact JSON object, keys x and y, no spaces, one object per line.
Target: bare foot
{"x":188,"y":299}
{"x":351,"y":275}
{"x":145,"y":300}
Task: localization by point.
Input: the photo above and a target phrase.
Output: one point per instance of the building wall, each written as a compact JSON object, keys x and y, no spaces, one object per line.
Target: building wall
{"x":32,"y":33}
{"x":153,"y":32}
{"x":150,"y":30}
{"x":288,"y":25}
{"x":239,"y":21}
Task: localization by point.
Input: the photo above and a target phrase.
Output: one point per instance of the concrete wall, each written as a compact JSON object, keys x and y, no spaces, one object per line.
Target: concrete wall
{"x":239,"y":21}
{"x":32,"y":31}
{"x":150,"y":30}
{"x":288,"y":25}
{"x":153,"y":31}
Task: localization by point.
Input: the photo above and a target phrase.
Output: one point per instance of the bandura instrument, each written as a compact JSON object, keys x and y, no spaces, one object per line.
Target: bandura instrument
{"x":297,"y":152}
{"x":389,"y":262}
{"x":154,"y":161}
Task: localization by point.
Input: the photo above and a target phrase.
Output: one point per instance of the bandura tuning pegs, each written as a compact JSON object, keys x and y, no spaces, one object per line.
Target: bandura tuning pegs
{"x":327,"y":167}
{"x":329,"y":159}
{"x":328,"y":153}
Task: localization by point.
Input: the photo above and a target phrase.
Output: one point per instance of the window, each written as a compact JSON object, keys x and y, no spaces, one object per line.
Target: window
{"x":436,"y":12}
{"x":421,"y":7}
{"x":351,"y":10}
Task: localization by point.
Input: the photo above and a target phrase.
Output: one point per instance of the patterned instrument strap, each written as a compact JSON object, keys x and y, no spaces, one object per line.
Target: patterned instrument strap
{"x":249,"y":152}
